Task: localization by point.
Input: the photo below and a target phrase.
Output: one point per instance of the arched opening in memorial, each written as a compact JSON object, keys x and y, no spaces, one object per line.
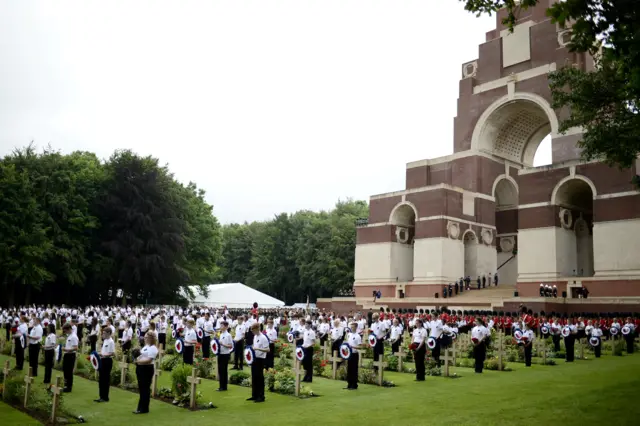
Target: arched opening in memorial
{"x":506,"y":219}
{"x":574,"y":201}
{"x":470,"y":241}
{"x":514,"y":130}
{"x":403,"y":219}
{"x":543,"y":155}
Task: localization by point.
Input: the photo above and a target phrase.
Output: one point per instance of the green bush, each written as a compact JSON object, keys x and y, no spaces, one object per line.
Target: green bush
{"x":169,"y":362}
{"x":238,"y":377}
{"x":494,"y":365}
{"x":284,"y":382}
{"x":115,"y":375}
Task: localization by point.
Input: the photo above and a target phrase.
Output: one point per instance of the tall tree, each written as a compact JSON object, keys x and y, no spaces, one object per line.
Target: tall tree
{"x":24,"y":247}
{"x":604,"y":102}
{"x":141,"y":229}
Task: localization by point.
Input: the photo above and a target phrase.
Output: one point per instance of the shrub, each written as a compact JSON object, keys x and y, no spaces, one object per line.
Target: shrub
{"x":179,"y":385}
{"x":203,"y":367}
{"x":282,"y":362}
{"x":115,"y":375}
{"x":494,"y":364}
{"x":237,"y":377}
{"x":284,"y":348}
{"x":169,"y":362}
{"x":619,"y":347}
{"x":284,"y":382}
{"x":369,"y":377}
{"x":433,"y":369}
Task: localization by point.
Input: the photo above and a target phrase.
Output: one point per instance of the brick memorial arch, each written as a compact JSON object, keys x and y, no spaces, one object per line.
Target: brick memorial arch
{"x":536,"y":224}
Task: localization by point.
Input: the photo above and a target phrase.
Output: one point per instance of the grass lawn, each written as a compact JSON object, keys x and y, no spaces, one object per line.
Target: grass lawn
{"x":582,"y":393}
{"x":11,"y":416}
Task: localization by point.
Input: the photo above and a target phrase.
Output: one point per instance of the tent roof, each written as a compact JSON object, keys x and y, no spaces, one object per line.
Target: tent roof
{"x":234,"y":295}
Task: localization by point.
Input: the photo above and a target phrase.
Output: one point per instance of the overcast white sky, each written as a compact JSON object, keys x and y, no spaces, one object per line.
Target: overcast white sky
{"x":269,"y":105}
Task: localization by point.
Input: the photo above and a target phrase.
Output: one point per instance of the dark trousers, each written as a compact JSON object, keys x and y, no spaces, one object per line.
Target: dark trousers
{"x":569,"y":343}
{"x":187,"y":354}
{"x":435,"y":353}
{"x":120,"y":332}
{"x":48,"y":364}
{"x":307,"y":364}
{"x":34,"y":352}
{"x":93,"y":339}
{"x":104,"y":380}
{"x":162,"y":339}
{"x":257,"y":378}
{"x":206,"y":347}
{"x":335,"y":347}
{"x":68,"y":360}
{"x":378,"y":350}
{"x":238,"y":352}
{"x":7,"y":329}
{"x":223,"y":370}
{"x":269,"y":361}
{"x":629,"y":338}
{"x":79,"y":332}
{"x":419,"y":360}
{"x":597,"y":350}
{"x":144,"y":373}
{"x":19,"y":351}
{"x":395,"y":347}
{"x":352,"y":371}
{"x":527,"y":354}
{"x":479,"y":354}
{"x":556,"y":343}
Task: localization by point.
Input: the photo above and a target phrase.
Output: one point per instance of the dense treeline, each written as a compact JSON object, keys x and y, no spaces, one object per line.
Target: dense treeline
{"x":77,"y":230}
{"x":74,"y":229}
{"x":295,"y":256}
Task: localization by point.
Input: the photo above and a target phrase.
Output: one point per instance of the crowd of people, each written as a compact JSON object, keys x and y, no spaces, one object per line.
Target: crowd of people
{"x":35,"y":328}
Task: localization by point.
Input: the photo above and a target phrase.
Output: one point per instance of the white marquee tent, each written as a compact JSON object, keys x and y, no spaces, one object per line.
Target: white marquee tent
{"x":234,"y":295}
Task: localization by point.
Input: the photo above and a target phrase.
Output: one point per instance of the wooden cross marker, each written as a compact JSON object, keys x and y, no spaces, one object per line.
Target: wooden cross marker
{"x":214,"y":366}
{"x":542,"y":347}
{"x":335,"y":359}
{"x":448,"y":359}
{"x":400,"y":354}
{"x":55,"y":390}
{"x":194,"y":380}
{"x":28,"y":381}
{"x":381,"y":366}
{"x":124,"y":366}
{"x":5,"y":372}
{"x":154,"y":380}
{"x":297,"y":372}
{"x":455,"y":349}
